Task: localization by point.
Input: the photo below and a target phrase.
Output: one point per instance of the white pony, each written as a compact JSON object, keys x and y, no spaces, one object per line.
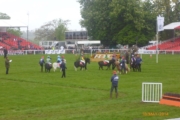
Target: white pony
{"x":56,"y":65}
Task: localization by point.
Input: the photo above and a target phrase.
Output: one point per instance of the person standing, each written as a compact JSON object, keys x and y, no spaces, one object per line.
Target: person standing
{"x":63,"y":67}
{"x":5,"y":52}
{"x":138,"y":62}
{"x":41,"y":63}
{"x":123,"y":65}
{"x":7,"y":65}
{"x":114,"y":84}
{"x":63,"y":59}
{"x":127,"y":57}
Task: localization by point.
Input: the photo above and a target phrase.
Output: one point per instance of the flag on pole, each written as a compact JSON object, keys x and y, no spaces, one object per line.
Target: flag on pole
{"x":160,"y":23}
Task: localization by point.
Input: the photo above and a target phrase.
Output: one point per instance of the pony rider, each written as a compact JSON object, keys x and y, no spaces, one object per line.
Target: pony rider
{"x":82,"y":61}
{"x":106,"y":59}
{"x":62,"y":58}
{"x":59,"y":60}
{"x":48,"y":60}
{"x":113,"y":57}
{"x":133,"y":60}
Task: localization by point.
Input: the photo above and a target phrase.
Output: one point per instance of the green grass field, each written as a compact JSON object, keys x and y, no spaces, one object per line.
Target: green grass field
{"x":28,"y":94}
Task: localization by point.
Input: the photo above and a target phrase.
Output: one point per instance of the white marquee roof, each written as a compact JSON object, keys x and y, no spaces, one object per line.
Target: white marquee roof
{"x":174,"y":25}
{"x":89,"y":42}
{"x":11,"y":23}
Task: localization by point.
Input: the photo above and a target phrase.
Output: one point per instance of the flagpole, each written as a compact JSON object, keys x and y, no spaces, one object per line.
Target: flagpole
{"x":157,"y":40}
{"x":157,"y":47}
{"x":159,"y":27}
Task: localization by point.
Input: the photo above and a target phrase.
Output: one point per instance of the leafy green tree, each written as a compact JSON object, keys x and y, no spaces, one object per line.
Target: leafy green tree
{"x":96,"y":19}
{"x":119,"y":21}
{"x":52,"y":30}
{"x":15,"y":31}
{"x":4,"y":16}
{"x":61,"y":29}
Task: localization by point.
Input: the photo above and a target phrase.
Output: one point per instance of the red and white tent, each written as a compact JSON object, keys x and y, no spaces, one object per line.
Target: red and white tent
{"x":172,"y":26}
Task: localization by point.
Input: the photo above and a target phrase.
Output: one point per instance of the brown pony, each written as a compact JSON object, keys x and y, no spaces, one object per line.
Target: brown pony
{"x":118,"y":66}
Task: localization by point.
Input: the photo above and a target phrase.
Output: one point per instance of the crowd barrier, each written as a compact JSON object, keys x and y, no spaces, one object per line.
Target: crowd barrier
{"x":89,"y":51}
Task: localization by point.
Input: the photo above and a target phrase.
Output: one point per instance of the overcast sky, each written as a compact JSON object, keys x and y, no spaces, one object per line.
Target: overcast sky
{"x":42,"y":11}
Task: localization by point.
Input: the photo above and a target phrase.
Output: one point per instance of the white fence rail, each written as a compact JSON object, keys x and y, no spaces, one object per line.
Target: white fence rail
{"x":90,"y":51}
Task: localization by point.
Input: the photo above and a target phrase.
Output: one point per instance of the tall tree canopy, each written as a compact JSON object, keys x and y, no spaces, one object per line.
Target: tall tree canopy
{"x":14,"y":31}
{"x":126,"y":21}
{"x":52,"y":30}
{"x":4,"y":16}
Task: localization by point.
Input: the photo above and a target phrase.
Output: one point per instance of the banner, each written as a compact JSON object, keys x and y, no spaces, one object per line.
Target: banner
{"x":13,"y":52}
{"x":160,"y":23}
{"x":55,"y":51}
{"x":142,"y":51}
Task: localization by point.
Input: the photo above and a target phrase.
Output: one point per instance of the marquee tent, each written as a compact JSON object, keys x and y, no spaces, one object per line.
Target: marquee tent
{"x":11,"y":23}
{"x":172,"y":26}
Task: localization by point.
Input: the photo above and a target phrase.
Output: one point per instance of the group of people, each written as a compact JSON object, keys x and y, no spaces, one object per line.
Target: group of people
{"x":60,"y":61}
{"x":134,"y":60}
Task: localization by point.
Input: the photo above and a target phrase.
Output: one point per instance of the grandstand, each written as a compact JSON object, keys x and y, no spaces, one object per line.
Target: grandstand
{"x":13,"y":42}
{"x":172,"y":44}
{"x":167,"y":45}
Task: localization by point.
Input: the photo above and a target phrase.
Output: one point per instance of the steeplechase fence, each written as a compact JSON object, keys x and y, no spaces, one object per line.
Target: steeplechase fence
{"x":151,"y":92}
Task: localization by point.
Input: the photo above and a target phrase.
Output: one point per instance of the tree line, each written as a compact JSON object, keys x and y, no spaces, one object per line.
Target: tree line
{"x":125,"y":22}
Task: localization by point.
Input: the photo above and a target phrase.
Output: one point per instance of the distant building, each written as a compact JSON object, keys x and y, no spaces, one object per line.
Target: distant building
{"x":71,"y":38}
{"x":76,"y":35}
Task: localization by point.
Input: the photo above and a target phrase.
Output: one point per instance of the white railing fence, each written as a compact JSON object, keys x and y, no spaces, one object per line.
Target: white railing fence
{"x":88,"y":51}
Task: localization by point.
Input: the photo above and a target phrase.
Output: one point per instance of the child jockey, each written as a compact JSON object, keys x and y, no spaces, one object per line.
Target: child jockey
{"x":58,"y":59}
{"x":133,"y":60}
{"x":106,"y":59}
{"x":82,"y":59}
{"x":48,"y":60}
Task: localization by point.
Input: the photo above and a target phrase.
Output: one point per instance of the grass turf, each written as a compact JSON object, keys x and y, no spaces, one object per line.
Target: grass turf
{"x":28,"y":94}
